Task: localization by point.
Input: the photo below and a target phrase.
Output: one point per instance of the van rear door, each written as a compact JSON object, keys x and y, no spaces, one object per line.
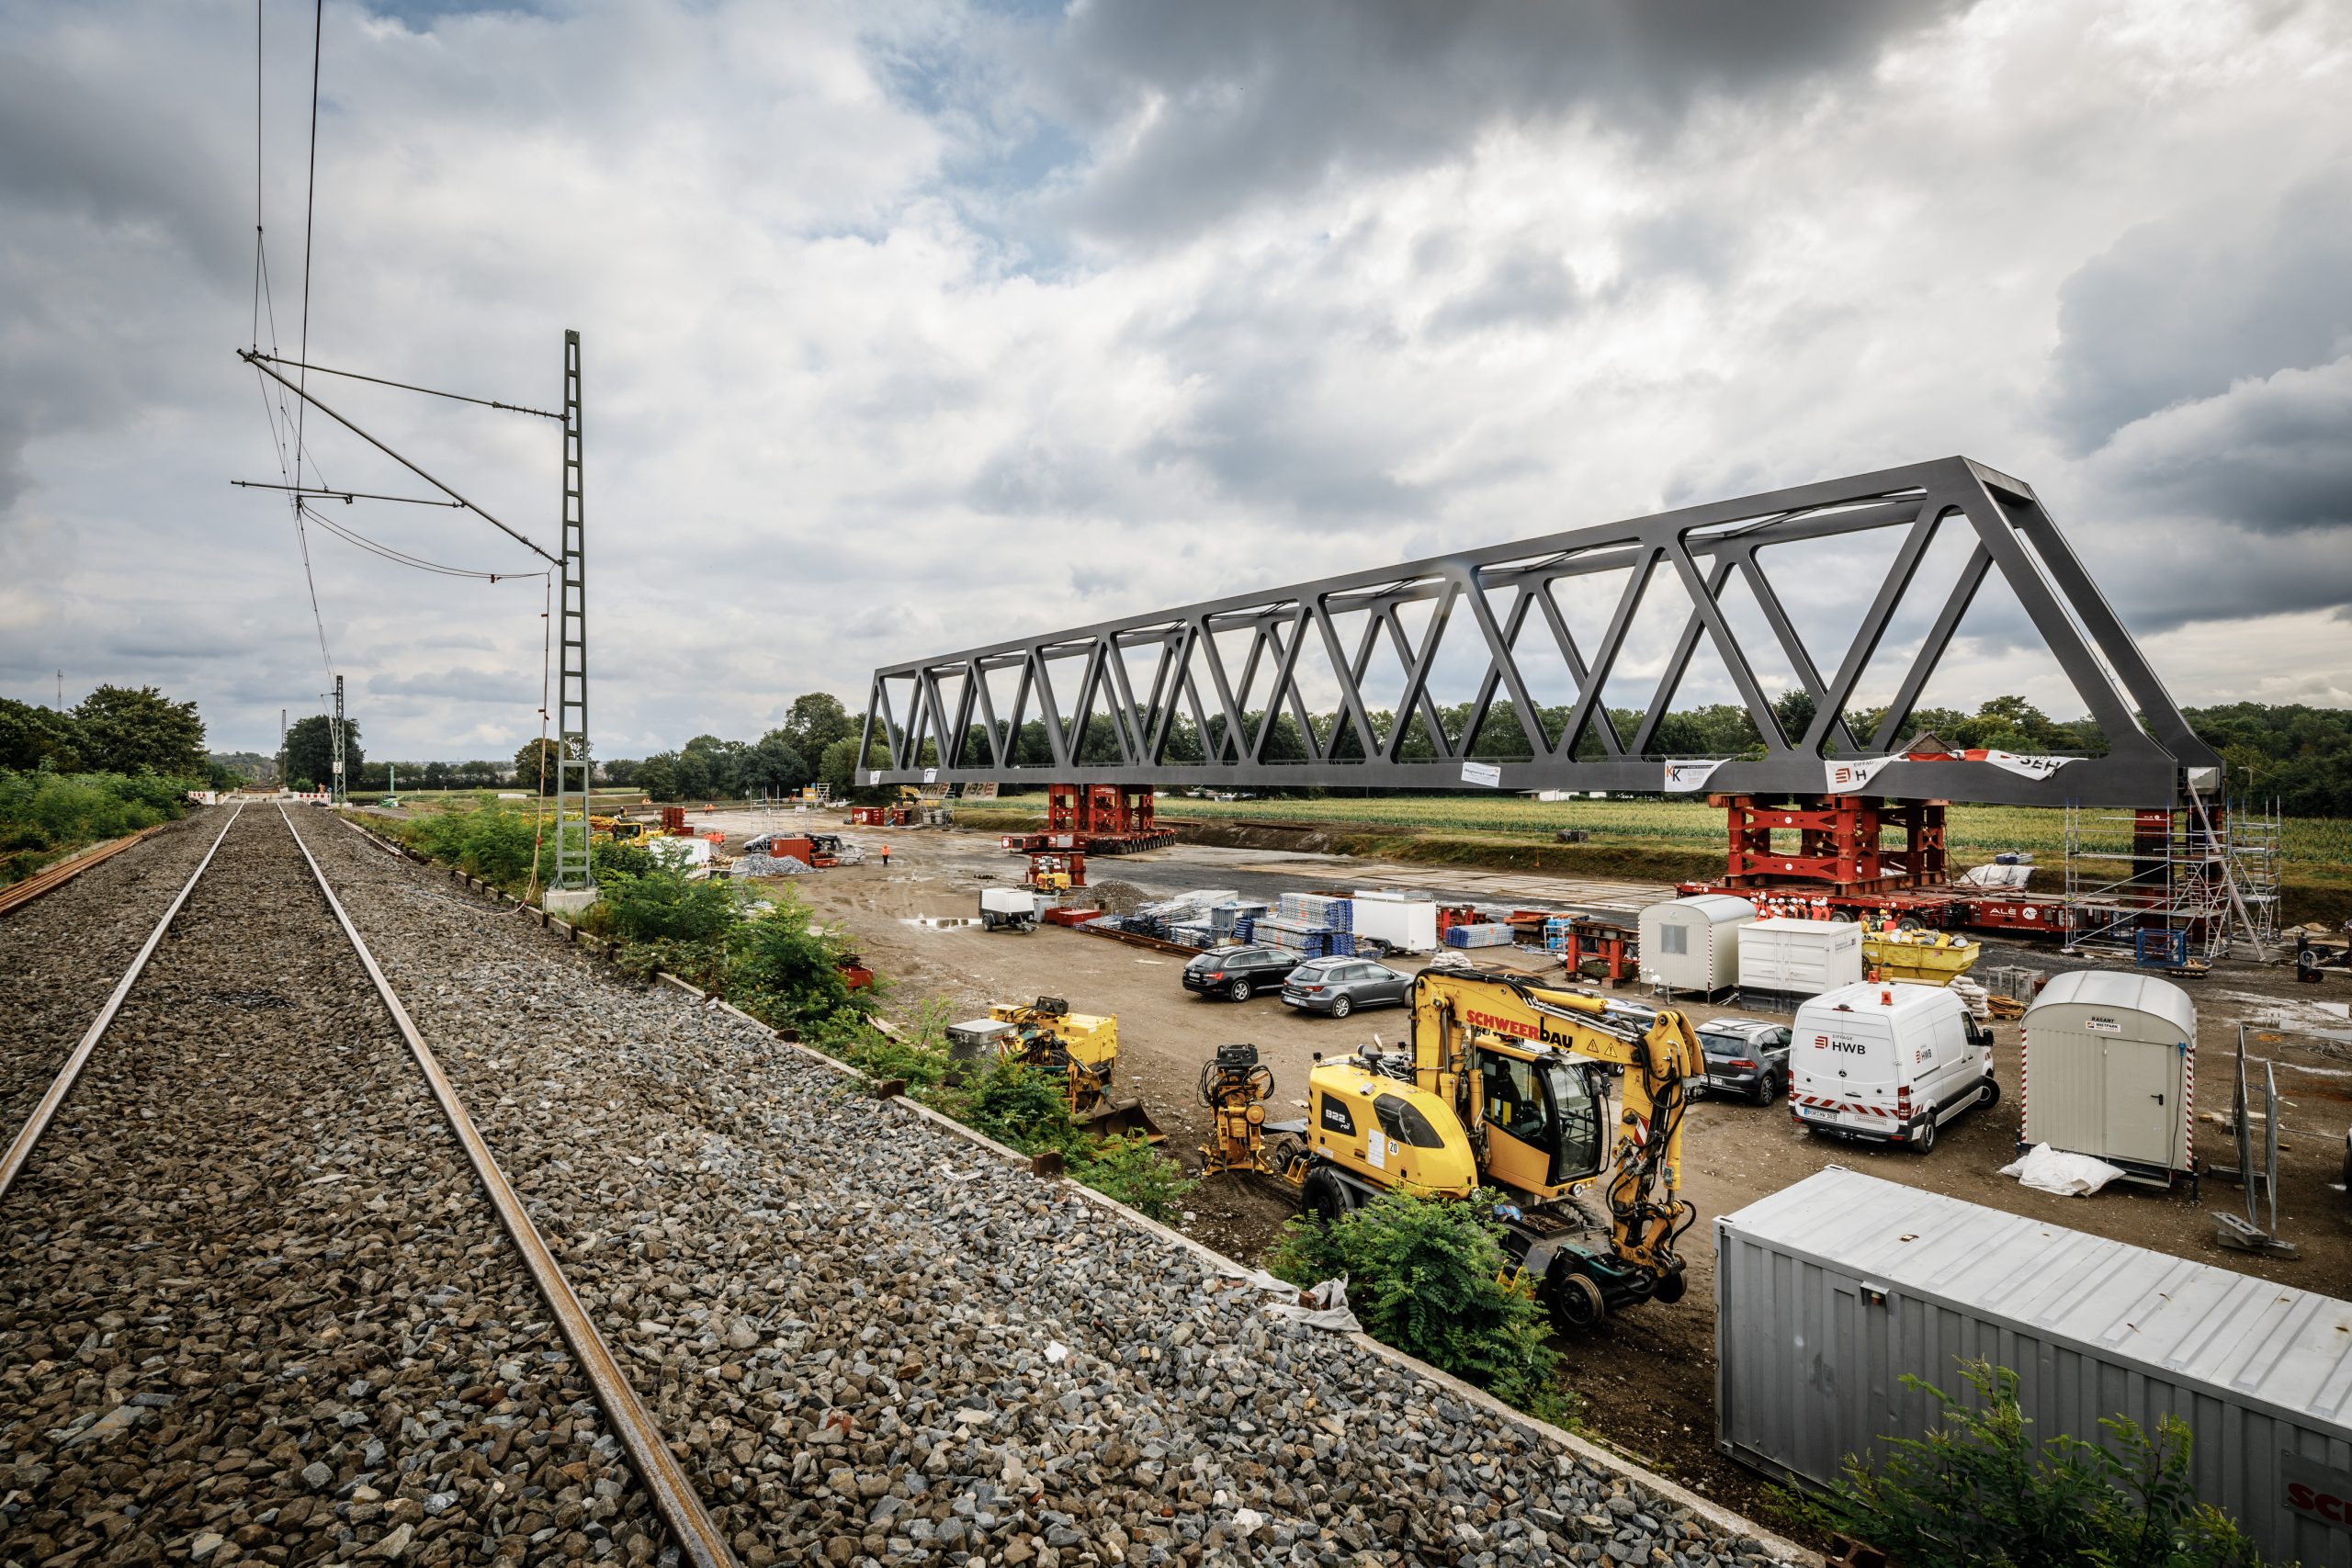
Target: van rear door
{"x":1845,"y":1072}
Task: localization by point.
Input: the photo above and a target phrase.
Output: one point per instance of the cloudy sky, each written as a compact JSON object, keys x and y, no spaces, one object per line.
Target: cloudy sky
{"x":912,"y":325}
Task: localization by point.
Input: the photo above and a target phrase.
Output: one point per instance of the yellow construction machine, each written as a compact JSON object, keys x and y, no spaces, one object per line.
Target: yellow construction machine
{"x":1506,"y":1086}
{"x":1082,"y":1050}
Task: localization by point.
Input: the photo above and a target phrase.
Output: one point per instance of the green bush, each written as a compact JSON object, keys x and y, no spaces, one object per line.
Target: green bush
{"x":783,"y":970}
{"x":44,"y":812}
{"x":1427,"y":1275}
{"x":1138,"y":1175}
{"x":916,"y":1053}
{"x":665,"y":906}
{"x":1021,"y":1105}
{"x":1981,"y":1492}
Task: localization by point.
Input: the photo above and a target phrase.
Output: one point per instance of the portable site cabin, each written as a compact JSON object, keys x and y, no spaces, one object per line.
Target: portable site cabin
{"x":2109,"y":1067}
{"x":1829,"y":1291}
{"x":1782,"y":962}
{"x":1692,"y":944}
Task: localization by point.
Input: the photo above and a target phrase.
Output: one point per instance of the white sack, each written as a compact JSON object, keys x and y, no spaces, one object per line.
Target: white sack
{"x":2070,"y":1176}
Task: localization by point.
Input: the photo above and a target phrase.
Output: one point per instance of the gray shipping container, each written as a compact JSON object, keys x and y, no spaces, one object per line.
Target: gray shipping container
{"x":1829,"y":1291}
{"x":2110,"y":1069}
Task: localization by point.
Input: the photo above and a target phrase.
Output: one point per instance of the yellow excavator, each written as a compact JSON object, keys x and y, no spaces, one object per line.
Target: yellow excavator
{"x":1506,"y":1086}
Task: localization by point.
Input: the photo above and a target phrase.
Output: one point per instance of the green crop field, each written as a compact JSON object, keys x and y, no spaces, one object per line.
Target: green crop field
{"x":1975,"y":832}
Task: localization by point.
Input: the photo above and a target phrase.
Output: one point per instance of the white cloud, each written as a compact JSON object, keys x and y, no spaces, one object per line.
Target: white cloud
{"x":908,"y":328}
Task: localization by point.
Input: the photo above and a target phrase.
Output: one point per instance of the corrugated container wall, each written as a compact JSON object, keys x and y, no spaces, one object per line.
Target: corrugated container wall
{"x":1829,"y":1291}
{"x":1692,"y":944}
{"x":2111,"y":1070}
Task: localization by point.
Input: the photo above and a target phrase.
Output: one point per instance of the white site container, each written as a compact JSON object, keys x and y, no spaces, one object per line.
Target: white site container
{"x":679,"y":853}
{"x":1692,"y":944}
{"x":1792,"y":960}
{"x":1406,"y":925}
{"x":2110,"y":1071}
{"x":1829,"y":1291}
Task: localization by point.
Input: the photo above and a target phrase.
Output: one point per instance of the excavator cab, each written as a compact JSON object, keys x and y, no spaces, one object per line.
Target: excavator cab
{"x":1543,"y":1114}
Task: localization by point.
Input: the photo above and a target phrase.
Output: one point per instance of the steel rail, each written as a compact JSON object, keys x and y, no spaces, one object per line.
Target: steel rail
{"x":38,"y":1123}
{"x":17,"y":894}
{"x":697,"y":1534}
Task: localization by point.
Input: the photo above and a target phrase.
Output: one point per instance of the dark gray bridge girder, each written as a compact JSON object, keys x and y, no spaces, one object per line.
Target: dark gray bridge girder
{"x":946,"y":703}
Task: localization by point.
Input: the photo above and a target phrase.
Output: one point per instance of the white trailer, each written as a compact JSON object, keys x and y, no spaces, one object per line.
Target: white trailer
{"x":2109,"y":1068}
{"x":1010,"y":908}
{"x":1692,"y":944}
{"x":1405,"y":925}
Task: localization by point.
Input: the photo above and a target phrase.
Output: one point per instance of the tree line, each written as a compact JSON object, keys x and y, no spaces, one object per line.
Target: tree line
{"x":131,"y":730}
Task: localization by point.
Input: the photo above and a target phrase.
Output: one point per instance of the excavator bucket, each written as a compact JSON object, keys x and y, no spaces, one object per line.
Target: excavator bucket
{"x":1122,"y":1121}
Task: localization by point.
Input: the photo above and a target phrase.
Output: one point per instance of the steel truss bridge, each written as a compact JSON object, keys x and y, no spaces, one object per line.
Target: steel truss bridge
{"x":944,"y":720}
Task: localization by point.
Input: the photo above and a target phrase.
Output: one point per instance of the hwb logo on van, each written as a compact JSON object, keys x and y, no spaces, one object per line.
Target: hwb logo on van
{"x":1824,"y":1042}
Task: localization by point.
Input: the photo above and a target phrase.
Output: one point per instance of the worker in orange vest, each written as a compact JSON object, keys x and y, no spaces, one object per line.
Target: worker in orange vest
{"x":886,"y":855}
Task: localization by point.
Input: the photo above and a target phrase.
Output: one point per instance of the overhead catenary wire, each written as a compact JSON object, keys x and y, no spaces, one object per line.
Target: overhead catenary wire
{"x":377,"y":547}
{"x":348,"y":495}
{"x":312,"y":398}
{"x":409,"y":386}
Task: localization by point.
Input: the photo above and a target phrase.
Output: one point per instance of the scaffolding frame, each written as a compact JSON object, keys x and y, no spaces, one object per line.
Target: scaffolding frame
{"x":2208,"y":871}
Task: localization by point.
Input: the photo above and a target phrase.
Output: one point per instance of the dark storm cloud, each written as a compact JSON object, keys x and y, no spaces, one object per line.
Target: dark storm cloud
{"x":1246,"y":101}
{"x":70,"y":146}
{"x":2273,"y":456}
{"x":2180,"y":309}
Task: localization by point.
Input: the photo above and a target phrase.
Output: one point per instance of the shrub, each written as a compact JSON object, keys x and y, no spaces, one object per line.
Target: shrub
{"x":783,"y":970}
{"x":916,"y":1053}
{"x":41,"y":812}
{"x":1021,"y":1105}
{"x":663,"y":906}
{"x":1980,"y":1492}
{"x":1427,"y":1275}
{"x":1138,"y":1175}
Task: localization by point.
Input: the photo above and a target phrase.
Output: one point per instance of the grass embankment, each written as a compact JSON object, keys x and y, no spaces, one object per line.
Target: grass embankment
{"x":1654,"y":840}
{"x":45,"y":816}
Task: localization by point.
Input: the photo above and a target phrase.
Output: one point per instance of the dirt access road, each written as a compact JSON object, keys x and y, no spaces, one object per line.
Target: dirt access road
{"x":1648,"y":1378}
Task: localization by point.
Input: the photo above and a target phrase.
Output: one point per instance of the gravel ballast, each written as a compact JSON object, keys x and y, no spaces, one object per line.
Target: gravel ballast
{"x":253,"y":1305}
{"x":62,"y":953}
{"x":876,"y":1342}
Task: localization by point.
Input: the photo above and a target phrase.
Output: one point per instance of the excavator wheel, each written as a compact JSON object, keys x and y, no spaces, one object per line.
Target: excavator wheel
{"x":1324,"y":1198}
{"x":1576,"y":1303}
{"x":1671,"y":1288}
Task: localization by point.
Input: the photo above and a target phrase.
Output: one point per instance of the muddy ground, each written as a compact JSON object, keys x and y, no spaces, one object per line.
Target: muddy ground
{"x":1648,"y":1378}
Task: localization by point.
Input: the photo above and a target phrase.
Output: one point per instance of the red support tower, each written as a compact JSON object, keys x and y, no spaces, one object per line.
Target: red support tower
{"x":1107,"y":820}
{"x":1836,"y":843}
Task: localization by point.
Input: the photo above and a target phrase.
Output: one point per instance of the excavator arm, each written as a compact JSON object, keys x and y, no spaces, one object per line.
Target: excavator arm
{"x":1456,"y":1011}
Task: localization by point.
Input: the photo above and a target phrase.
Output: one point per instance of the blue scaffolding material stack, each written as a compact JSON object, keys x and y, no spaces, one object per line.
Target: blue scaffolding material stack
{"x":1492,"y":935}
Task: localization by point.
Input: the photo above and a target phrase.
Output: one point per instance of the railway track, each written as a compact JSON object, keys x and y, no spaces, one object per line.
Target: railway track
{"x":252,"y":1301}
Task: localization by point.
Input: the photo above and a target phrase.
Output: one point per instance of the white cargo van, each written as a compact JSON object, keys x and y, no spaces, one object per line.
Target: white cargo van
{"x":1890,"y":1063}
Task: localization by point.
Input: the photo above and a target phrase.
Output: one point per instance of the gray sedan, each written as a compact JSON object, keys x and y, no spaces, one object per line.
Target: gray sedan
{"x":1339,"y":986}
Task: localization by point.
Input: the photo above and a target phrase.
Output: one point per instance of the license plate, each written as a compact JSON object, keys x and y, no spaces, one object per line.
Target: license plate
{"x":1815,"y":1112}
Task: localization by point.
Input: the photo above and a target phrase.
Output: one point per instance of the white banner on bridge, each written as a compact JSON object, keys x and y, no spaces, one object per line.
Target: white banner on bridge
{"x":1852,"y":776}
{"x":1689,"y":776}
{"x":2032,"y":767}
{"x":1485,"y":773}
